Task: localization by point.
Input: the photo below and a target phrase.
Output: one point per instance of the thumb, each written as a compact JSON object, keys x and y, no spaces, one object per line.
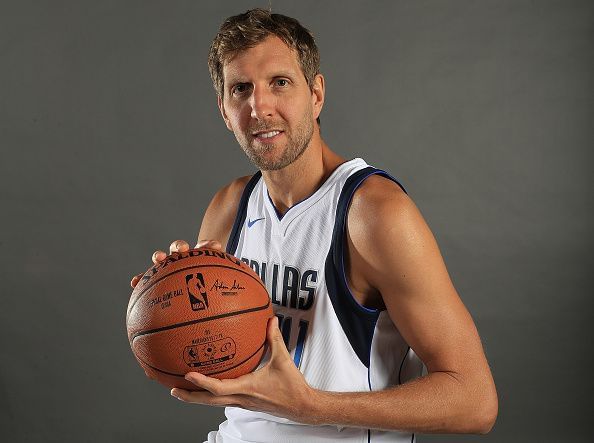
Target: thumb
{"x":212,"y":244}
{"x":275,"y":339}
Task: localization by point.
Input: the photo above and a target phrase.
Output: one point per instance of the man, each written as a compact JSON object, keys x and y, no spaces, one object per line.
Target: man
{"x":359,"y":287}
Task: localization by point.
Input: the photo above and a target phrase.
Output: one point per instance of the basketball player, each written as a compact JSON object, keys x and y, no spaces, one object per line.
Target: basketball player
{"x":362,"y":297}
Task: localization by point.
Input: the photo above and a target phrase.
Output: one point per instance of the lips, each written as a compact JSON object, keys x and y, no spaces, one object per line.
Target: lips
{"x":267,"y":135}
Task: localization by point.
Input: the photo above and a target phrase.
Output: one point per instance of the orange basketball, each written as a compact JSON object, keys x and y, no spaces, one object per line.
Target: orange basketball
{"x":202,"y":310}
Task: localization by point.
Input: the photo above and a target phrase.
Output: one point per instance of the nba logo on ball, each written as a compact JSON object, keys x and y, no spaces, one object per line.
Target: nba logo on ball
{"x":197,"y":292}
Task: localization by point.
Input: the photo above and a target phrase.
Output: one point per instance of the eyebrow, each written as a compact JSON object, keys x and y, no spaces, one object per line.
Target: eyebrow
{"x":284,"y":74}
{"x":232,"y":80}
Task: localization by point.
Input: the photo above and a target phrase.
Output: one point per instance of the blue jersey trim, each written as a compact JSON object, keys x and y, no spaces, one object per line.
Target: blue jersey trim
{"x":280,"y":216}
{"x":357,"y":321}
{"x":303,"y":325}
{"x":241,"y":213}
{"x":402,"y":365}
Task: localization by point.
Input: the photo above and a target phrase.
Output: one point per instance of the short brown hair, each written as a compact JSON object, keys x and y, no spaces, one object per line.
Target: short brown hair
{"x":244,"y":31}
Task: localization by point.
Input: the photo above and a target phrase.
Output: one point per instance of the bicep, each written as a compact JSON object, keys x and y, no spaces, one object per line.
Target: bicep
{"x":410,"y":274}
{"x":425,"y":307}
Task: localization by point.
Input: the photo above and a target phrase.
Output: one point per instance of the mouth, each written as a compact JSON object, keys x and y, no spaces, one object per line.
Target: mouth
{"x":267,"y":136}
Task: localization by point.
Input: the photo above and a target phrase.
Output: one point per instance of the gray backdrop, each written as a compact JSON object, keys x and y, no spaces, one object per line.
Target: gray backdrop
{"x":112,"y":146}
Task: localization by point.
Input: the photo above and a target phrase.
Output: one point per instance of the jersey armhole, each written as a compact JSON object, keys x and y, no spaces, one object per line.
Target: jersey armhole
{"x":357,"y":321}
{"x":241,"y":213}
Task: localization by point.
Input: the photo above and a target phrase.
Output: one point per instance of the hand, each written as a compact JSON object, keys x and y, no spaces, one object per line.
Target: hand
{"x":176,"y":246}
{"x":277,"y":388}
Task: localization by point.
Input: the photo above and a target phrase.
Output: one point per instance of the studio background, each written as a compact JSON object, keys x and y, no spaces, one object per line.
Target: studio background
{"x":112,"y":146}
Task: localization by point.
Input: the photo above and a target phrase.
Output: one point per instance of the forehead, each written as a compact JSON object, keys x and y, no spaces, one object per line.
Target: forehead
{"x":269,"y":57}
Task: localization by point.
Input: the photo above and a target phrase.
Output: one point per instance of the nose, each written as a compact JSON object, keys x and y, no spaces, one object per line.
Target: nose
{"x":262,"y":103}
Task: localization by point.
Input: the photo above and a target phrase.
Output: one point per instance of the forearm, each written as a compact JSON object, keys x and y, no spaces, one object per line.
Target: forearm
{"x":436,"y":403}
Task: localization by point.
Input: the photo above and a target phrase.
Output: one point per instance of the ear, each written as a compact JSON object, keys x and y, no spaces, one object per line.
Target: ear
{"x":317,"y":95}
{"x":223,"y":113}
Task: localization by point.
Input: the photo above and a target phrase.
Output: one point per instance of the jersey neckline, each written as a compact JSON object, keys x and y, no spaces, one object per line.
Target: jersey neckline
{"x":307,"y":202}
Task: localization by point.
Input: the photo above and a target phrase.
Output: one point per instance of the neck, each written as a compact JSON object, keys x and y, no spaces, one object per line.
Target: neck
{"x":303,"y":177}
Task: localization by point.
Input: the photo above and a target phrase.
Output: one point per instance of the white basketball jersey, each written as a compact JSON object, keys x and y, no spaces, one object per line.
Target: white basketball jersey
{"x":337,"y":344}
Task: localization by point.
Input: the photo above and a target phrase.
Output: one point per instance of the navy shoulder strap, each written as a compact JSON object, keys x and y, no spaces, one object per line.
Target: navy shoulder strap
{"x":357,"y":321}
{"x":241,"y":213}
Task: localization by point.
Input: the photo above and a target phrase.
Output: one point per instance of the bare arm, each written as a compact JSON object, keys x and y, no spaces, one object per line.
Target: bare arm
{"x":220,"y":213}
{"x":393,"y":254}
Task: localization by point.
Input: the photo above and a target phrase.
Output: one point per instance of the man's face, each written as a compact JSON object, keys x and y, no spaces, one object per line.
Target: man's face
{"x":268,"y":104}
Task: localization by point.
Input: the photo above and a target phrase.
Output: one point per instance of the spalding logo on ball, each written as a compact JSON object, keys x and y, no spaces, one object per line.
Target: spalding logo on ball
{"x":202,"y":310}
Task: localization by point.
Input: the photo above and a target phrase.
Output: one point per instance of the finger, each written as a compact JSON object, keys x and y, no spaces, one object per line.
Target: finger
{"x":204,"y":398}
{"x":212,"y":244}
{"x":158,"y":256}
{"x":215,"y":386}
{"x":135,"y":280}
{"x":179,"y":246}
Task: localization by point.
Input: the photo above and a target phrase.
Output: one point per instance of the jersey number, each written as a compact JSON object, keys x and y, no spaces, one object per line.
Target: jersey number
{"x":284,"y":324}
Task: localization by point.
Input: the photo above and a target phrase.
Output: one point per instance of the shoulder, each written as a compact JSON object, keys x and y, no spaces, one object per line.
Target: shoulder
{"x":230,"y":194}
{"x":386,"y":230}
{"x":378,"y":203}
{"x":220,"y":213}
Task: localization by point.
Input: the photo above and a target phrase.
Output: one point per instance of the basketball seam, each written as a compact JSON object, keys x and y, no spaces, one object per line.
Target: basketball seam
{"x":185,"y":269}
{"x":210,"y":373}
{"x":198,"y":320}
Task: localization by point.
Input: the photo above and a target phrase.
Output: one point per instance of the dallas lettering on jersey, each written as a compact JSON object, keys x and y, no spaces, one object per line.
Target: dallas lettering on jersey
{"x":290,"y":287}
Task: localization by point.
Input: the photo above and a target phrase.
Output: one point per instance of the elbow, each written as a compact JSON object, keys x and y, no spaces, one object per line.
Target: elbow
{"x":481,"y":406}
{"x":486,"y":414}
{"x":486,"y":422}
{"x":479,"y":420}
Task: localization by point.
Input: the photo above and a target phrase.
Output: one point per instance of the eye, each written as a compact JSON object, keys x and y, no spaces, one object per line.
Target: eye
{"x":282,"y":82}
{"x":239,"y":88}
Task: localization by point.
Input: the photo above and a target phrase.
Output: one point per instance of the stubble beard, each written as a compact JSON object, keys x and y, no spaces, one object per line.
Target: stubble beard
{"x":296,"y":146}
